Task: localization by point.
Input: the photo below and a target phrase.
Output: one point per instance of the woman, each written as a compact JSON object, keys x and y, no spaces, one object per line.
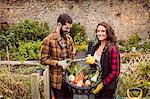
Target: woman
{"x":107,"y":56}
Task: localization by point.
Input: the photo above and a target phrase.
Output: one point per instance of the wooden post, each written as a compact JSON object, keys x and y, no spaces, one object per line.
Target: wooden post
{"x":1,"y":97}
{"x":35,"y":82}
{"x":46,"y":78}
{"x":27,"y":63}
{"x":7,"y":53}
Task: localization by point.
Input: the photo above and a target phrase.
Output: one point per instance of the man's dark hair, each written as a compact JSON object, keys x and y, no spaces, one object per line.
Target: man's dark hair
{"x":64,"y":18}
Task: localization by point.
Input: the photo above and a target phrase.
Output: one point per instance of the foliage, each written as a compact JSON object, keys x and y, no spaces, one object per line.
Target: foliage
{"x":23,"y":40}
{"x":134,"y":41}
{"x":144,"y":69}
{"x":144,"y":46}
{"x":126,"y":45}
{"x":2,"y":54}
{"x":27,"y":70}
{"x":25,"y":31}
{"x":3,"y":41}
{"x":122,"y":49}
{"x":79,"y":35}
{"x":137,"y":76}
{"x":28,"y":51}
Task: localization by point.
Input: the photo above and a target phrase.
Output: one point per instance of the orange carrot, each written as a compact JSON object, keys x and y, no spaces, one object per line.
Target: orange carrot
{"x":53,"y":97}
{"x":79,"y":76}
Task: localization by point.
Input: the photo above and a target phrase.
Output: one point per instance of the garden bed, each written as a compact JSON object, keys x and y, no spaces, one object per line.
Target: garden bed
{"x":15,"y":82}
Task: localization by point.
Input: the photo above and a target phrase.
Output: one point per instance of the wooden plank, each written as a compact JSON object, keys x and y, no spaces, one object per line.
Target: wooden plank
{"x":1,"y":97}
{"x":32,"y":63}
{"x":16,"y":75}
{"x":35,"y":82}
{"x":12,"y":7}
{"x":7,"y":53}
{"x":46,"y":79}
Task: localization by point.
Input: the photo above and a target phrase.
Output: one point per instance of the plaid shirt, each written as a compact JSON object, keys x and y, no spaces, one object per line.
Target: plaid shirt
{"x":110,"y":63}
{"x":52,"y":51}
{"x":114,"y":61}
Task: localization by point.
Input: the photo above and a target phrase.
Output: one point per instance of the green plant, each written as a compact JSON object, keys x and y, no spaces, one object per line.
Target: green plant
{"x":137,"y":76}
{"x":144,"y":69}
{"x":124,"y":46}
{"x":79,"y":36}
{"x":3,"y":41}
{"x":29,"y":50}
{"x":122,"y":42}
{"x":21,"y":38}
{"x":134,"y":39}
{"x":25,"y":31}
{"x":144,"y":47}
{"x":122,"y":49}
{"x":27,"y":70}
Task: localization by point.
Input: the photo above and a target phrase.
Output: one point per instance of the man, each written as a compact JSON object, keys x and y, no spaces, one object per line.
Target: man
{"x":57,"y":50}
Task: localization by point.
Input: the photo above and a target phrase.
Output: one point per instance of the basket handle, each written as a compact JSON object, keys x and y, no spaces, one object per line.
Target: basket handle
{"x":75,"y":60}
{"x":131,"y":89}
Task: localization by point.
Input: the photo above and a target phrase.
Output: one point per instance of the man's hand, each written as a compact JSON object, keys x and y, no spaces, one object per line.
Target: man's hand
{"x":90,"y":59}
{"x":65,"y":63}
{"x":98,"y":88}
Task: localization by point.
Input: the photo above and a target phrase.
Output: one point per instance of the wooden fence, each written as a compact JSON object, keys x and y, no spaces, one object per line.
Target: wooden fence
{"x":138,"y":59}
{"x":133,"y":62}
{"x":35,"y":85}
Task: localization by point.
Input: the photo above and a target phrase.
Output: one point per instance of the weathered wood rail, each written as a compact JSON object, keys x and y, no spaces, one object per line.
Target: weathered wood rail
{"x":27,"y":63}
{"x":35,"y":85}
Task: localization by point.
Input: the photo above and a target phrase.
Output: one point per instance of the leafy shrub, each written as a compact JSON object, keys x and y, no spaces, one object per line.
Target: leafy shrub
{"x":2,"y":54}
{"x":3,"y":41}
{"x":134,"y":41}
{"x":137,"y":76}
{"x":79,"y":36}
{"x":122,"y":49}
{"x":144,"y":47}
{"x":27,"y":30}
{"x":23,"y":38}
{"x":28,"y":51}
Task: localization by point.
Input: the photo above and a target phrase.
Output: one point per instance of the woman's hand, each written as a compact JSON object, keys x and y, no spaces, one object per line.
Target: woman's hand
{"x":98,"y":88}
{"x":90,"y":59}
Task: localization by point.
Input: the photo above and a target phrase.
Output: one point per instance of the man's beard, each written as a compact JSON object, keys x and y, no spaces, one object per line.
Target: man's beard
{"x":63,"y":33}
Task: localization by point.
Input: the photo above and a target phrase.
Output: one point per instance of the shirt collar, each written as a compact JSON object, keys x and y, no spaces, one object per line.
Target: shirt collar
{"x":56,"y":36}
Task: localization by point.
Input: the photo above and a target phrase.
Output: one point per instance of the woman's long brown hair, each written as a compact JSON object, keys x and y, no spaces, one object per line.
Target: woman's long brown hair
{"x":111,"y":38}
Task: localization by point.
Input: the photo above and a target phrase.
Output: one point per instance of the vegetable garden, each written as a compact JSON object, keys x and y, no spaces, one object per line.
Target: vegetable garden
{"x":21,"y":42}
